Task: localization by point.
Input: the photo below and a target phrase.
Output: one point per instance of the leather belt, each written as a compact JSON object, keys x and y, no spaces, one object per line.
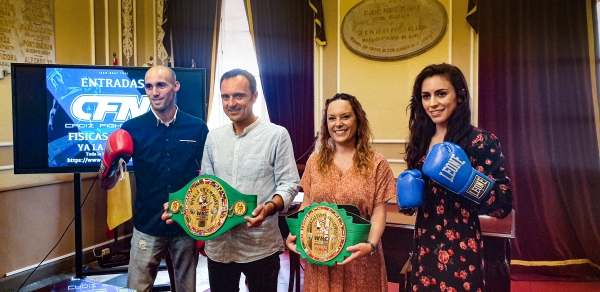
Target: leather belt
{"x":208,"y":207}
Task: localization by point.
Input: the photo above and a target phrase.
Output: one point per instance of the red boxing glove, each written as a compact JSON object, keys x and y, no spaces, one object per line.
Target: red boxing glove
{"x":118,"y":145}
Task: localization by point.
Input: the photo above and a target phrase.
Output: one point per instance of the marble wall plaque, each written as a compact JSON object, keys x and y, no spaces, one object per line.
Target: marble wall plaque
{"x":394,"y":29}
{"x":26,"y":32}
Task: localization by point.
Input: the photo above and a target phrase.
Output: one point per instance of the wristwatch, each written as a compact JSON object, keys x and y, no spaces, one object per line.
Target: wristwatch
{"x":208,"y":207}
{"x":373,"y":248}
{"x":324,"y":231}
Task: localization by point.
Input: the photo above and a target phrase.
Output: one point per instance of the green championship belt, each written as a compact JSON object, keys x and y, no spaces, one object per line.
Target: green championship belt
{"x":207,"y":207}
{"x":324,"y":231}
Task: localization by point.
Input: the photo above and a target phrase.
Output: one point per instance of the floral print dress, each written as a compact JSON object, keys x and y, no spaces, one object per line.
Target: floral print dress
{"x":448,"y":250}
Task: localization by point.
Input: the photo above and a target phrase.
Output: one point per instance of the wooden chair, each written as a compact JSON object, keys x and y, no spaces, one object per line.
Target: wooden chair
{"x":405,"y":273}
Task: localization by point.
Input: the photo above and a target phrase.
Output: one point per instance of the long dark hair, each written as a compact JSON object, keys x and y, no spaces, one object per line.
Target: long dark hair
{"x":363,"y":151}
{"x":421,"y":126}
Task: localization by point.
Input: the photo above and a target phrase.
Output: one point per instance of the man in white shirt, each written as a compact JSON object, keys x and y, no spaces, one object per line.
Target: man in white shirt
{"x":254,"y":157}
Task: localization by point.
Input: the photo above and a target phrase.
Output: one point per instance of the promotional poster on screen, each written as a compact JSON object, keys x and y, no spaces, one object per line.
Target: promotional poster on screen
{"x":85,"y":106}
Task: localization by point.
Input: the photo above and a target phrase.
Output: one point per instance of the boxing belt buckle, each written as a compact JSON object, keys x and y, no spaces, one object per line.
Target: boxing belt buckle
{"x":324,"y":231}
{"x":208,"y":207}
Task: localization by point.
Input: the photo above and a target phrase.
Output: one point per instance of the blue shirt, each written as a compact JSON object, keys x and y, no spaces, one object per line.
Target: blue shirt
{"x":165,"y":159}
{"x":260,"y":162}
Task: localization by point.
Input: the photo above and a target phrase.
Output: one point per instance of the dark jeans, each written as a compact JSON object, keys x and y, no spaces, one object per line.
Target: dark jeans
{"x":261,"y":275}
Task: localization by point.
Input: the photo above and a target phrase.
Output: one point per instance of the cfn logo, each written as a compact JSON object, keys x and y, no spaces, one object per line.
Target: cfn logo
{"x":95,"y":107}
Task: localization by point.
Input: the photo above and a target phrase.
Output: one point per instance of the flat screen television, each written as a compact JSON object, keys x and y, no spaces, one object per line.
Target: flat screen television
{"x":62,"y":114}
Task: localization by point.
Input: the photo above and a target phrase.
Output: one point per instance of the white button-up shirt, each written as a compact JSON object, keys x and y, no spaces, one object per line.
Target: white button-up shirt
{"x":260,"y":162}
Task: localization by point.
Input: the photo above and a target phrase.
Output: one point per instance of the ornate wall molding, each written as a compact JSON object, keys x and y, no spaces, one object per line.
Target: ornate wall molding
{"x":162,"y":55}
{"x":5,"y":152}
{"x":385,"y":141}
{"x":127,"y":22}
{"x":393,"y":150}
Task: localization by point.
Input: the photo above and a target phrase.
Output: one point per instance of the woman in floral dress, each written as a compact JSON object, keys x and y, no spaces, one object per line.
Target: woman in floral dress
{"x":344,"y":169}
{"x":448,"y":245}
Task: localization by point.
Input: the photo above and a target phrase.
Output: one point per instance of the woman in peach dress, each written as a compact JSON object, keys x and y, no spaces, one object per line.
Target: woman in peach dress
{"x":344,"y":169}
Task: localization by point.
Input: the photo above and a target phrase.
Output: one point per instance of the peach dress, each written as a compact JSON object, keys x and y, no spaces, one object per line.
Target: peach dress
{"x":366,"y":192}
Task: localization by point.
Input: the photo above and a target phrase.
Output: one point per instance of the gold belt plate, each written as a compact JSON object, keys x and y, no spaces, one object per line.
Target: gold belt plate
{"x":322,"y":233}
{"x":205,"y":207}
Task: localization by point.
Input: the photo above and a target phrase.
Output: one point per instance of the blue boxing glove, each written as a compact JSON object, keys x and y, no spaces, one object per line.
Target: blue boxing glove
{"x":449,"y":165}
{"x":410,"y":189}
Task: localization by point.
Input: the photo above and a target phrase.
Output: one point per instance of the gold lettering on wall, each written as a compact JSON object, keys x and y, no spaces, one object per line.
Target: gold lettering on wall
{"x":26,"y":32}
{"x":393,"y":29}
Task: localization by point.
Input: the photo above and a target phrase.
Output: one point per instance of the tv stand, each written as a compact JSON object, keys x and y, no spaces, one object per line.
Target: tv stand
{"x":78,"y":238}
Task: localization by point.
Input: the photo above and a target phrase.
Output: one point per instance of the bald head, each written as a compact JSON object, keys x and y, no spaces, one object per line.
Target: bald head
{"x":161,"y":88}
{"x":166,"y":72}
